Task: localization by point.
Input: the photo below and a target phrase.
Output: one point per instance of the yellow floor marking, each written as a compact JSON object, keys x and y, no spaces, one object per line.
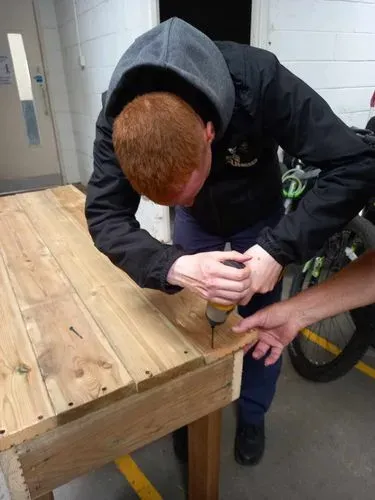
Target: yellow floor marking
{"x":137,"y":480}
{"x":333,"y":349}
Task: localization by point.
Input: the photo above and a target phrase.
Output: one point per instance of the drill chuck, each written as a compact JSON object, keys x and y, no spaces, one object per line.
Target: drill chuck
{"x":217,"y":314}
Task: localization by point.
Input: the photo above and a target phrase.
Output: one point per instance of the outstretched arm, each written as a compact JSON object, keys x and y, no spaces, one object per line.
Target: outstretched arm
{"x":279,"y":323}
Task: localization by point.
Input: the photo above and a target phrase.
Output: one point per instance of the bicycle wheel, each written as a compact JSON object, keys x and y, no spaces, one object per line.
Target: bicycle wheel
{"x":328,"y":349}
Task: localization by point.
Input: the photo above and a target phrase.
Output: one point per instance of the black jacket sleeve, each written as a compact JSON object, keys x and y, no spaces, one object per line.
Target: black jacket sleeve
{"x":306,"y":127}
{"x":111,"y":205}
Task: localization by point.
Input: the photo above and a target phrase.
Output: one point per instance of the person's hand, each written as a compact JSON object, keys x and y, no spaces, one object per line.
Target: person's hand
{"x":205,"y":274}
{"x":277,"y":325}
{"x":264,"y":272}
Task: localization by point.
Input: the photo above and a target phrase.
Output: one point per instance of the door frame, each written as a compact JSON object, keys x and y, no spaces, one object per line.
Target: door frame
{"x":259,"y":34}
{"x":259,"y":31}
{"x":38,"y":23}
{"x":38,"y":182}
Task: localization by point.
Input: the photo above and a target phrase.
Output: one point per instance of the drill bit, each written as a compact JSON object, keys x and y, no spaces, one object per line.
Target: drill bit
{"x":212,"y":336}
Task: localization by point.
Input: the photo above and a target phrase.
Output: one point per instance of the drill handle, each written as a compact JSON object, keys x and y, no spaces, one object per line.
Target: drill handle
{"x":234,"y":263}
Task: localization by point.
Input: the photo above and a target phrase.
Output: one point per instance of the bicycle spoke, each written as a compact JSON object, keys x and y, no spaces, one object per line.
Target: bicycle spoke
{"x":342,"y":334}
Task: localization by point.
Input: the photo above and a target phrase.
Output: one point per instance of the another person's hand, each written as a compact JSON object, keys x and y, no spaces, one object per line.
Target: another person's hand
{"x":205,"y":274}
{"x":264,"y":272}
{"x":277,"y":326}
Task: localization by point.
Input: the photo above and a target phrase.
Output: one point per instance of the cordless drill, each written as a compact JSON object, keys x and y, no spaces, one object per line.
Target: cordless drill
{"x":217,"y":314}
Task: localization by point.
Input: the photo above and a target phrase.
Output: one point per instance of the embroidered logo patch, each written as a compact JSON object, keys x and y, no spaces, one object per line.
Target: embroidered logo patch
{"x":239,"y":156}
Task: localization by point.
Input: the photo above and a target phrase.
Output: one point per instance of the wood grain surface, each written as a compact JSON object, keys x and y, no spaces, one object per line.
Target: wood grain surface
{"x":124,"y":426}
{"x":187,"y":312}
{"x":8,"y":204}
{"x":24,"y":400}
{"x":35,"y":274}
{"x":76,"y":361}
{"x":77,"y":331}
{"x":73,"y":203}
{"x":184,"y":310}
{"x":14,"y":480}
{"x":204,"y":456}
{"x":151,"y":347}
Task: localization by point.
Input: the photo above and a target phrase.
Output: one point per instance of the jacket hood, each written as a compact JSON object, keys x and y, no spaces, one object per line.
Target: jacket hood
{"x":175,"y":57}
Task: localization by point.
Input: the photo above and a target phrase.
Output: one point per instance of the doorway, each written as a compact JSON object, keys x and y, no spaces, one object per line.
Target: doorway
{"x":219,"y":21}
{"x":28,"y":158}
{"x":212,"y":18}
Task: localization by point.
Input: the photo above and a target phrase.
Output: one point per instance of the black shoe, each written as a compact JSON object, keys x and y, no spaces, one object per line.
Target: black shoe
{"x":249,"y":446}
{"x":180,"y":444}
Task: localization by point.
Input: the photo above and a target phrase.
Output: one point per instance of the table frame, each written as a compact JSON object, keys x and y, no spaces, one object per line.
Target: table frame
{"x":34,"y":468}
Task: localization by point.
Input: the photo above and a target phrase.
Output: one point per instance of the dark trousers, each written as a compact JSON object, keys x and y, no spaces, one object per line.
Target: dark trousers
{"x":258,"y":382}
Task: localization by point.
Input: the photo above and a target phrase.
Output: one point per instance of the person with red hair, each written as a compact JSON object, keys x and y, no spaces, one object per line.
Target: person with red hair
{"x":196,"y":124}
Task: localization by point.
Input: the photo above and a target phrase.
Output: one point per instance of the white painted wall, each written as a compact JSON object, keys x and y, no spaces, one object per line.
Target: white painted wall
{"x":58,"y":94}
{"x":330,"y":44}
{"x":106,"y":28}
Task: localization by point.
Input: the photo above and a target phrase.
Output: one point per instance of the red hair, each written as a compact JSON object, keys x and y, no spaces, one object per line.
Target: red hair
{"x":158,"y":143}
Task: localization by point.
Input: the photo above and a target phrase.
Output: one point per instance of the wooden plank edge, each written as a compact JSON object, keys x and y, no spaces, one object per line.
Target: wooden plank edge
{"x":240,"y":341}
{"x":103,"y":401}
{"x":170,"y":374}
{"x":124,"y":426}
{"x":13,"y":475}
{"x":77,"y":188}
{"x":20,"y":436}
{"x":58,"y":193}
{"x":237,"y":374}
{"x":71,"y":415}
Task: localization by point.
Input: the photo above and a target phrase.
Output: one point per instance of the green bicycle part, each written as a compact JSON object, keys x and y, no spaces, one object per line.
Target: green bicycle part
{"x":296,"y":187}
{"x":318,"y":264}
{"x":307,"y":266}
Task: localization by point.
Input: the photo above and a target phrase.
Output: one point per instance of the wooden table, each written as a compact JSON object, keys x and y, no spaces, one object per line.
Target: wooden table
{"x":93,"y":367}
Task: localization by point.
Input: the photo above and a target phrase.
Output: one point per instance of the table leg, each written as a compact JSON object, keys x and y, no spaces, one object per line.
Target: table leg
{"x":204,"y":457}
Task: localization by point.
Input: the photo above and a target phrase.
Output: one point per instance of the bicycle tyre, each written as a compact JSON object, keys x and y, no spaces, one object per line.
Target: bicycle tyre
{"x":363,"y":319}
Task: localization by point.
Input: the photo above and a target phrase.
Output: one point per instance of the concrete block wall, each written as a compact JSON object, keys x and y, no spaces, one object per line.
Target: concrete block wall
{"x":58,"y":94}
{"x":106,"y":28}
{"x":330,"y":44}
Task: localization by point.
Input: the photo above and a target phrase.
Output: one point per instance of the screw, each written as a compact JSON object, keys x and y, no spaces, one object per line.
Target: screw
{"x":72,"y":329}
